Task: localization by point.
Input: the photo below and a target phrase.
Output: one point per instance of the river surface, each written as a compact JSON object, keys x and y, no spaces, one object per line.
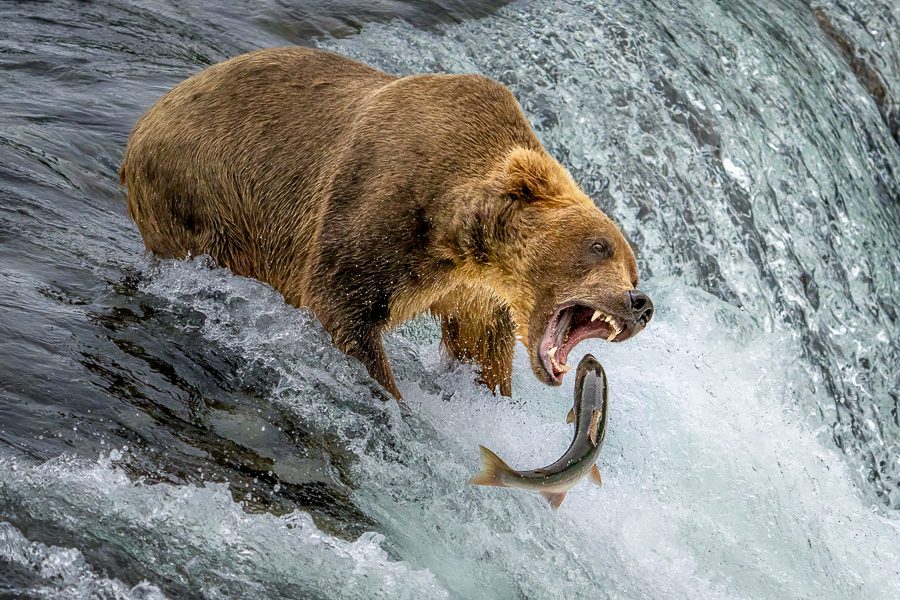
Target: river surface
{"x":170,"y":430}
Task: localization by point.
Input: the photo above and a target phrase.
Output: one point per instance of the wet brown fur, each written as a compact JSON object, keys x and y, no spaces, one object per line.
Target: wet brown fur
{"x":372,"y":199}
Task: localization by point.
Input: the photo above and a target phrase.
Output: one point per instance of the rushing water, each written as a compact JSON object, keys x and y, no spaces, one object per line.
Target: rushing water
{"x":170,"y":430}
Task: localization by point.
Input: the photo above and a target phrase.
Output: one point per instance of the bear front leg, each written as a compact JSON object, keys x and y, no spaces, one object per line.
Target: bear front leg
{"x":482,"y":333}
{"x":368,"y":349}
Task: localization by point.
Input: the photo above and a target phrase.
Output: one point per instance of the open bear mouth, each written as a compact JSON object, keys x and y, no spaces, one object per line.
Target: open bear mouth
{"x":572,"y":323}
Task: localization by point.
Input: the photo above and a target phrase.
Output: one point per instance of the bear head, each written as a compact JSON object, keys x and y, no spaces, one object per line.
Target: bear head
{"x":563,"y":267}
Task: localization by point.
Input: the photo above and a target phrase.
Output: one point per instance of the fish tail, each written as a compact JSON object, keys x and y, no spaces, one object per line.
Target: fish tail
{"x":492,"y":469}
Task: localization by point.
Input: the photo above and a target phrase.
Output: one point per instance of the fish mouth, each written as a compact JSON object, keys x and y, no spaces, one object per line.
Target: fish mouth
{"x":574,"y":322}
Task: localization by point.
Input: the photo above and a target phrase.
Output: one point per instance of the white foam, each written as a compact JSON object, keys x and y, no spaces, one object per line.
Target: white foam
{"x":201,"y":538}
{"x":63,"y":572}
{"x":736,"y":172}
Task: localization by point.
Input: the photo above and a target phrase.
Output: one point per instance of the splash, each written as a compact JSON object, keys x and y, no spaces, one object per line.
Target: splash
{"x":53,"y":572}
{"x":197,"y":539}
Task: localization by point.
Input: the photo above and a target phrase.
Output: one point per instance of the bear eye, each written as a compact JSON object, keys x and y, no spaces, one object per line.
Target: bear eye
{"x":601,"y":248}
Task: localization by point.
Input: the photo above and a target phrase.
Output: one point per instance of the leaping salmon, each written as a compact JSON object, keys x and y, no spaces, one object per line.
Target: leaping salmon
{"x":553,"y":482}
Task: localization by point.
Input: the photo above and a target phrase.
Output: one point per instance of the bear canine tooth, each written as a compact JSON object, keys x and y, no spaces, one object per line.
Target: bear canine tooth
{"x":565,"y":368}
{"x":616,"y":331}
{"x":556,"y":366}
{"x":597,"y":315}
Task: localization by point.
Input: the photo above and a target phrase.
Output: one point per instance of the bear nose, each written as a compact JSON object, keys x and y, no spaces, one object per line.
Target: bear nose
{"x":641,"y":306}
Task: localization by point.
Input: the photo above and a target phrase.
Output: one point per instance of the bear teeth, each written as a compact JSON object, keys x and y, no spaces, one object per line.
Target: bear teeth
{"x":611,"y":321}
{"x":552,"y":354}
{"x":616,"y":331}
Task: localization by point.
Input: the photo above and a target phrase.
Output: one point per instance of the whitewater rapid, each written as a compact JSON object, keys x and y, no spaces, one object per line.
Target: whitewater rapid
{"x":715,"y":486}
{"x":752,"y":446}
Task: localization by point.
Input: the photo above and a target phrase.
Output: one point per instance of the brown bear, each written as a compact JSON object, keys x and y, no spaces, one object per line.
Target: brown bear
{"x":371,"y":199}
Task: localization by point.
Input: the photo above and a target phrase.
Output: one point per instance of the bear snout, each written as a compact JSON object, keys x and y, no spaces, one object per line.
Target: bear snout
{"x":641,"y":306}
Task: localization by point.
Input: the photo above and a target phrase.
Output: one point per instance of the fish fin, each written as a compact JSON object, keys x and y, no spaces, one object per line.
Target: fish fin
{"x":492,"y":467}
{"x":570,"y":418}
{"x":595,"y":425}
{"x":594,"y":475}
{"x":554,"y":498}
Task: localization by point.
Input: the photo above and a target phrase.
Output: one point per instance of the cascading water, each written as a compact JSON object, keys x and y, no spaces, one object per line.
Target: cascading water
{"x":169,"y":429}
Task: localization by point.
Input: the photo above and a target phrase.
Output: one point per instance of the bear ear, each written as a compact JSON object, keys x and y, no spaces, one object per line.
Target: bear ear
{"x":528,"y":176}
